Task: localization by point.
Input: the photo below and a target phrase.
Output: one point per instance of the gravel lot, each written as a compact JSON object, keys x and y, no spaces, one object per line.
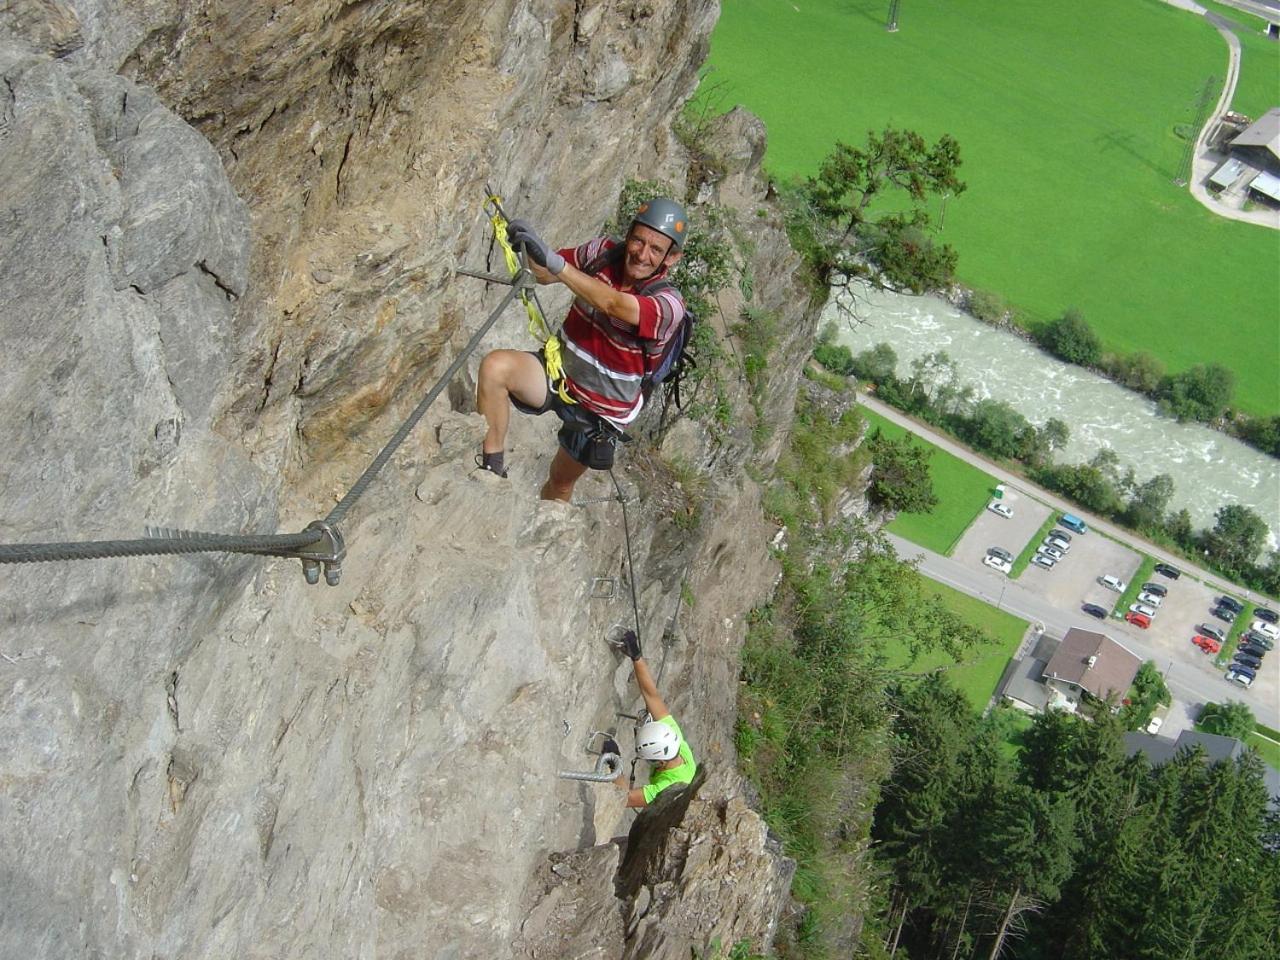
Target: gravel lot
{"x":993,"y":530}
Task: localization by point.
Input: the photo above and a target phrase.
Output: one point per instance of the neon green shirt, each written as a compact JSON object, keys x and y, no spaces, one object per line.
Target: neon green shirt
{"x":659,"y":780}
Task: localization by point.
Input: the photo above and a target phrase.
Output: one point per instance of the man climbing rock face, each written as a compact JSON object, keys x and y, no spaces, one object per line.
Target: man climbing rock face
{"x":659,"y":741}
{"x":622,"y":315}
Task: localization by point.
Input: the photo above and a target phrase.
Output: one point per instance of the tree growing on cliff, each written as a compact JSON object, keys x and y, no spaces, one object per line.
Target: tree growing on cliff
{"x":855,"y":186}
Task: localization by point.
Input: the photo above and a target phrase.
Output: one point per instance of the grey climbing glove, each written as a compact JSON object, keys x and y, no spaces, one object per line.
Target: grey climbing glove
{"x":519,"y":232}
{"x":630,"y":645}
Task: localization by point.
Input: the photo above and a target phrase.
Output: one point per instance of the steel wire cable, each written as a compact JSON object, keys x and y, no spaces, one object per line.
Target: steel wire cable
{"x":260,"y":544}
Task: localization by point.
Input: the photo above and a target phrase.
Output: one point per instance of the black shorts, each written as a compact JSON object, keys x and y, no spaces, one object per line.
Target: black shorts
{"x":590,"y":440}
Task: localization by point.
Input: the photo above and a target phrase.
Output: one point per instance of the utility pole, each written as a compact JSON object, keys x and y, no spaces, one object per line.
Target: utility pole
{"x":892,"y":24}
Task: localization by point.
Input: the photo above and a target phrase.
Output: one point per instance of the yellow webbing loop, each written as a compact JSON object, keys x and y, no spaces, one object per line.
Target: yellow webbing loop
{"x":538,"y":326}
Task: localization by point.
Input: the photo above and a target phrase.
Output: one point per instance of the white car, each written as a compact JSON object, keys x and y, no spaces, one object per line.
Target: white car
{"x":1058,"y":542}
{"x":1244,"y":679}
{"x":995,"y":506}
{"x":1044,"y":560}
{"x":1113,"y":583}
{"x":1150,"y":599}
{"x":1155,"y":724}
{"x":997,"y":563}
{"x":1266,"y":629}
{"x":1143,"y":609}
{"x":1050,"y":549}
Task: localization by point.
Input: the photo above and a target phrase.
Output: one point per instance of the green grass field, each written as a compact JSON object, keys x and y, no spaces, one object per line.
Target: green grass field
{"x":1258,"y":89}
{"x":981,"y":671}
{"x":1065,"y":116}
{"x":1023,"y":559}
{"x":962,"y":491}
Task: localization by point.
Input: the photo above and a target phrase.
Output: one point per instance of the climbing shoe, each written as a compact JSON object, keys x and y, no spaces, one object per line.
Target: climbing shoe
{"x":492,"y":462}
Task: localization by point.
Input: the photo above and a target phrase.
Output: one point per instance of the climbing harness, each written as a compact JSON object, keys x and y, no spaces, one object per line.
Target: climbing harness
{"x":319,"y":545}
{"x":539,"y":329}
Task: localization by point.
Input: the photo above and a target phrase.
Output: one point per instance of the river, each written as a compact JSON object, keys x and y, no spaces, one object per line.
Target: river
{"x":1209,"y":469}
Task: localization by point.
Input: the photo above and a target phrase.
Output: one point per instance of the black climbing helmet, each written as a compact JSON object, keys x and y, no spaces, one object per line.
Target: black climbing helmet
{"x":665,"y":216}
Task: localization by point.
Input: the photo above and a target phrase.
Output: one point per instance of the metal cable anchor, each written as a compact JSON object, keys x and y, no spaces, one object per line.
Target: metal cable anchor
{"x":326,"y":552}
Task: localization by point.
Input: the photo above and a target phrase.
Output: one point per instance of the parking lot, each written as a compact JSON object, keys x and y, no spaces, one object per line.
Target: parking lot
{"x":992,"y":530}
{"x":1074,"y":582}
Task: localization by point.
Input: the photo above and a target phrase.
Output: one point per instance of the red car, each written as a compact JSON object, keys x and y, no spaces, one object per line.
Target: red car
{"x":1207,"y":644}
{"x":1138,"y":619}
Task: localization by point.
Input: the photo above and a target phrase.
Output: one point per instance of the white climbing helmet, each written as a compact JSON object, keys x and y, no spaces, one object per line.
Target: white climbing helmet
{"x":656,"y":741}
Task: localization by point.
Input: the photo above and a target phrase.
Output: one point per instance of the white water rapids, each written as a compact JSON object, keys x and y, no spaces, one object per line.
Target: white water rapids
{"x":1209,"y":469}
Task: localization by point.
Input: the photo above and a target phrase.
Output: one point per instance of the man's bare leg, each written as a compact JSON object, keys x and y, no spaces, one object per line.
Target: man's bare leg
{"x":505,"y":374}
{"x":565,"y":472}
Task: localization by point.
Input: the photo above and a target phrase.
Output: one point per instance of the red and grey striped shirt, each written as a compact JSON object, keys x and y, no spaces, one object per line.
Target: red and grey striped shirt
{"x":605,"y":359}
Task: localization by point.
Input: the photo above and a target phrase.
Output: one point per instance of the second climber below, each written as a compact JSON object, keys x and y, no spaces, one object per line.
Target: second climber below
{"x":622,"y":315}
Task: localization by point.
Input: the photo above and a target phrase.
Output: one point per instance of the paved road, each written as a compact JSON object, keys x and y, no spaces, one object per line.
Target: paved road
{"x":1187,"y":684}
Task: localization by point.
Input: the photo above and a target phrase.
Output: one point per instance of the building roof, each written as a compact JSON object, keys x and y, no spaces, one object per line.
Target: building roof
{"x":1160,"y":750}
{"x":1215,"y":747}
{"x":1094,"y":662}
{"x":1263,"y":132}
{"x":1022,"y":683}
{"x":1266,"y":183}
{"x":1226,"y":174}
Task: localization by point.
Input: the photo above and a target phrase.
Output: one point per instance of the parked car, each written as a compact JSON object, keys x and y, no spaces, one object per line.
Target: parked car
{"x":1210,"y":630}
{"x":1253,"y":663}
{"x":1000,"y":552}
{"x":1158,"y":589}
{"x":1138,"y":619}
{"x":1073,"y":523}
{"x":1151,"y":599}
{"x":1051,"y":550}
{"x":1044,"y":560}
{"x":1231,"y":603}
{"x":997,"y":563}
{"x":1266,"y":629}
{"x":1063,"y":545}
{"x":1165,"y":570}
{"x":1207,"y":644}
{"x":1093,"y":610}
{"x":1252,"y":649}
{"x":1258,"y":639}
{"x":1057,"y":534}
{"x":1239,"y":673}
{"x":1225,"y":613}
{"x":1154,"y":726}
{"x":1262,"y":613}
{"x":1143,"y":609}
{"x":1113,"y":583}
{"x":995,"y":506}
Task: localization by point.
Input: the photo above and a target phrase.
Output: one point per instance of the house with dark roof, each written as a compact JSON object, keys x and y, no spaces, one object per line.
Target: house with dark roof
{"x":1160,"y":750}
{"x":1089,"y":663}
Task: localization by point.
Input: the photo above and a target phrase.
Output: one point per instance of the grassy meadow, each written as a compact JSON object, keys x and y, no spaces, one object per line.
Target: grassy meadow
{"x":981,"y":671}
{"x":962,"y":491}
{"x":1065,"y":115}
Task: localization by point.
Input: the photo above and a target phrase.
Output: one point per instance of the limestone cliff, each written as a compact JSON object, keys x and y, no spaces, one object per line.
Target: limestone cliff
{"x":227,"y":272}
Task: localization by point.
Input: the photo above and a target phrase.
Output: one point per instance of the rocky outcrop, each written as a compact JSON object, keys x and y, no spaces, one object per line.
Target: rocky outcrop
{"x":208,"y":757}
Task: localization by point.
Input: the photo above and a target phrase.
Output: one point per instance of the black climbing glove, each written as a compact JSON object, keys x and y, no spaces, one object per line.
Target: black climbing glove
{"x":630,"y":645}
{"x":518,"y":232}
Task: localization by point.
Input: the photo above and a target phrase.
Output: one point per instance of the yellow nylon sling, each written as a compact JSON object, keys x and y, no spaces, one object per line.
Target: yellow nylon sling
{"x":538,"y":326}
